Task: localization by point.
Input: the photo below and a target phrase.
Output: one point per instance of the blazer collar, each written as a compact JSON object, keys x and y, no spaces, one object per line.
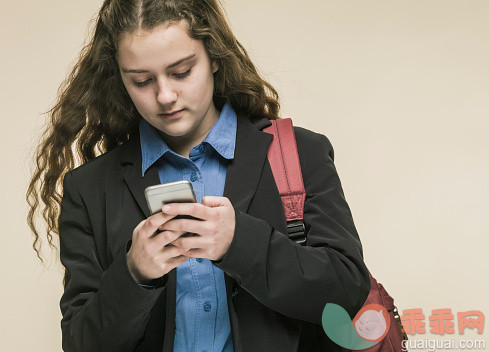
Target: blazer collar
{"x":243,"y":172}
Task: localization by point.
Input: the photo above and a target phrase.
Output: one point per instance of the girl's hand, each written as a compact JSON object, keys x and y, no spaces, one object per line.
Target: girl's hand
{"x":213,"y":227}
{"x":149,"y":256}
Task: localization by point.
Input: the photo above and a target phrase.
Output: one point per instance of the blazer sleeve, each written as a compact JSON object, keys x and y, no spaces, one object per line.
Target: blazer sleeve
{"x":294,"y":280}
{"x":103,"y":309}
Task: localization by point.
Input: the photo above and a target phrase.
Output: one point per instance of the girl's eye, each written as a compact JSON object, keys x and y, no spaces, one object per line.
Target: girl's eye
{"x":176,"y":75}
{"x":141,"y":84}
{"x":182,"y":75}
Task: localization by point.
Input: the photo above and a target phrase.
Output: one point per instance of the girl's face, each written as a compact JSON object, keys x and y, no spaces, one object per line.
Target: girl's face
{"x":166,"y":71}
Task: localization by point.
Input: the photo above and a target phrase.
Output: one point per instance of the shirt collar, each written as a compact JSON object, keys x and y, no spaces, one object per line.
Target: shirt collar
{"x":222,"y":137}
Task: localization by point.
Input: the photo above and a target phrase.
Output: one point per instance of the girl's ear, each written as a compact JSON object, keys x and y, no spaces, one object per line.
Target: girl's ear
{"x":214,"y":66}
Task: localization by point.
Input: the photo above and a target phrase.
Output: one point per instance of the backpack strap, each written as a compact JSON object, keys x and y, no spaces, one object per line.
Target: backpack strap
{"x":284,"y":161}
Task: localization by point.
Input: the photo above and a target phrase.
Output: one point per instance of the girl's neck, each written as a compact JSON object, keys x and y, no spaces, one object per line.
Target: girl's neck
{"x":182,"y":145}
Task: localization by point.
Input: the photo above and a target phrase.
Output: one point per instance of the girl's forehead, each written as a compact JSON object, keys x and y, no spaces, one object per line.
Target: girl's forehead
{"x":164,"y":33}
{"x":164,"y":44}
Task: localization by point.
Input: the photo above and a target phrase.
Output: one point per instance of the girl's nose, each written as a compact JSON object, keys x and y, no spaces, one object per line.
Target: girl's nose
{"x":166,"y":94}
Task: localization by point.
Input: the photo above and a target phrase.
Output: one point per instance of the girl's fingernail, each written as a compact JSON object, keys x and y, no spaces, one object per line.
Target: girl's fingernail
{"x":166,"y":208}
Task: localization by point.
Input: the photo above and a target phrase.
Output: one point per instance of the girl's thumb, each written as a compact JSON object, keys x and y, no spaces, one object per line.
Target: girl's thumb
{"x":212,"y":201}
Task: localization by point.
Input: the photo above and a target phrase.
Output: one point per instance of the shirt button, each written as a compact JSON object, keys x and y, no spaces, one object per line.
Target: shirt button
{"x":207,"y":306}
{"x":199,"y":260}
{"x":193,"y":177}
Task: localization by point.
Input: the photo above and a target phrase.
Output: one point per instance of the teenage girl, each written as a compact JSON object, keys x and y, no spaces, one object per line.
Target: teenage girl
{"x":164,"y":92}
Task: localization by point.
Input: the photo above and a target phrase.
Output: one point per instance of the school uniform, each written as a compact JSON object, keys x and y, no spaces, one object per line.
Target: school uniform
{"x":275,"y":289}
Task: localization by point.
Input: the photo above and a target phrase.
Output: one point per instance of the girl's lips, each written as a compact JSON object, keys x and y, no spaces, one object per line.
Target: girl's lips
{"x":171,"y":116}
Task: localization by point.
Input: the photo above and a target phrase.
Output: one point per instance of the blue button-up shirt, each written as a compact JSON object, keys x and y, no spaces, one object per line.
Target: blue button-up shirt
{"x":202,"y":318}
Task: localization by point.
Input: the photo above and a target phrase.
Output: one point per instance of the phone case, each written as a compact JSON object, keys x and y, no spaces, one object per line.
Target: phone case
{"x":172,"y":192}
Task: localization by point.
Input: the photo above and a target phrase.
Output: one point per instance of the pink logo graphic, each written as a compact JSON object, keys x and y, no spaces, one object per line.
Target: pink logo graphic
{"x":442,"y":321}
{"x":372,"y":322}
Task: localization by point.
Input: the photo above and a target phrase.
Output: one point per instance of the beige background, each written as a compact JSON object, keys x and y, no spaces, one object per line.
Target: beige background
{"x":400,"y":88}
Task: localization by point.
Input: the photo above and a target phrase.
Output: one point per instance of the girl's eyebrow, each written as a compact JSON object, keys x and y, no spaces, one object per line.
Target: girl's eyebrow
{"x":176,"y":63}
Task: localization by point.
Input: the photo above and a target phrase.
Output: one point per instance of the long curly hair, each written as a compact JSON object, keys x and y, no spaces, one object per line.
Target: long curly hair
{"x":94,"y":114}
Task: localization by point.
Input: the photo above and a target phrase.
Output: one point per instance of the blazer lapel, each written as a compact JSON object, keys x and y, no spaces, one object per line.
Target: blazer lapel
{"x":244,"y":171}
{"x":242,"y":176}
{"x":132,"y":173}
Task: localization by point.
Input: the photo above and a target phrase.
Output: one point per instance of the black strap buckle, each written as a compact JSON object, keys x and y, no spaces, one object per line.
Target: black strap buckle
{"x":399,"y":323}
{"x":297,"y":231}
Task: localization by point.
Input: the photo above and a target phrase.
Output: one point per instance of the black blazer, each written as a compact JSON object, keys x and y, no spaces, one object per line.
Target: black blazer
{"x":276,"y":289}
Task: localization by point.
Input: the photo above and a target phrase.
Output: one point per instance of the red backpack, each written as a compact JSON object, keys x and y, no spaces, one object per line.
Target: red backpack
{"x":284,"y":161}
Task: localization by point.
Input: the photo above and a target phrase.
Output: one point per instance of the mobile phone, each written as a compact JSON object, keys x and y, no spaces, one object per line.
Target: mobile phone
{"x":173,"y":192}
